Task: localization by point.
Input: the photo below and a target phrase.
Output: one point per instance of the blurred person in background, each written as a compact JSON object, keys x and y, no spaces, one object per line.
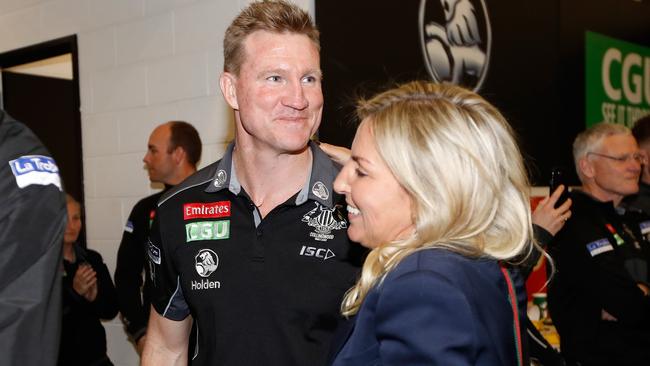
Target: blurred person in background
{"x":88,"y":297}
{"x":173,"y":151}
{"x":598,"y":297}
{"x":641,"y":200}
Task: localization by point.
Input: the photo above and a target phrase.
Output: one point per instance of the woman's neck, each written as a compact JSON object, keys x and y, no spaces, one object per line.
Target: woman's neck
{"x":68,"y":252}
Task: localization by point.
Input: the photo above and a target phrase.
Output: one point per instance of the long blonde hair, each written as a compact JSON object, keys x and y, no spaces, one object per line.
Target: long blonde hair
{"x":456,"y":156}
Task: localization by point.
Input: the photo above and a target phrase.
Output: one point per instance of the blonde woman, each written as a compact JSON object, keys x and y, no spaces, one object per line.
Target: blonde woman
{"x":437,"y":189}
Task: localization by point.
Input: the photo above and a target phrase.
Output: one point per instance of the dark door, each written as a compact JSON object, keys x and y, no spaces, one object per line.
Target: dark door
{"x":50,"y":107}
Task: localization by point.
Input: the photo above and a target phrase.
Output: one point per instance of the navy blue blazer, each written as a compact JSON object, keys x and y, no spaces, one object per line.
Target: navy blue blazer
{"x":436,"y":308}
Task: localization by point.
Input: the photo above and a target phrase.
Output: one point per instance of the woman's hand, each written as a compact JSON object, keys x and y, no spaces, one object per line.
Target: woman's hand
{"x":85,"y":282}
{"x":550,"y":218}
{"x":339,"y":154}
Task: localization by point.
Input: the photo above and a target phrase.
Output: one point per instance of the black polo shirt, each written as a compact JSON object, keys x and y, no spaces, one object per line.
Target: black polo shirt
{"x":262,"y":291}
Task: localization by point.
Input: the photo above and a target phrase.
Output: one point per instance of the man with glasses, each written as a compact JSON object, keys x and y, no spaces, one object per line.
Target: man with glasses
{"x":598,"y":298}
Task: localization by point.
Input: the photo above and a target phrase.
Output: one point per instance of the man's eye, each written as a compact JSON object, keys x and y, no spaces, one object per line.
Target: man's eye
{"x":359,"y":172}
{"x":274,"y":78}
{"x":309,"y":79}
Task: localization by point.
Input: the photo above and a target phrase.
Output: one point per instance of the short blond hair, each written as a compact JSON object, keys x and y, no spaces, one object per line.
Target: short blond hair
{"x":456,"y":156}
{"x":272,"y":16}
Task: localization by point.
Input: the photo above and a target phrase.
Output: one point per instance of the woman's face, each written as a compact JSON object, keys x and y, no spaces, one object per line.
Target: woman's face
{"x":379,"y":208}
{"x":74,"y":223}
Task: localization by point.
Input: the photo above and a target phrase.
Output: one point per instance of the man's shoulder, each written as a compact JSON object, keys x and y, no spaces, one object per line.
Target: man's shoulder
{"x":198,"y":180}
{"x":148,"y":202}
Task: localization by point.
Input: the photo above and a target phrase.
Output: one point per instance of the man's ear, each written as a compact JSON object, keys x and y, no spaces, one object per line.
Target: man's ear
{"x":227,"y":83}
{"x":178,"y":155}
{"x":586,"y":167}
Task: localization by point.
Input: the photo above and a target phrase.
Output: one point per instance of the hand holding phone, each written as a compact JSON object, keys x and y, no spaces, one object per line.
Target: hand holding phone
{"x":557,"y":179}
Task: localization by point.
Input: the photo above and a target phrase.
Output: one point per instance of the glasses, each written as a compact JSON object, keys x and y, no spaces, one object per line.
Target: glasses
{"x":638,"y":157}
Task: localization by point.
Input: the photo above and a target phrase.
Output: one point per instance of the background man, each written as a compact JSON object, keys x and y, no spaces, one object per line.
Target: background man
{"x":254,"y":247}
{"x":173,"y":150}
{"x":32,"y":222}
{"x":641,"y":200}
{"x":599,"y":296}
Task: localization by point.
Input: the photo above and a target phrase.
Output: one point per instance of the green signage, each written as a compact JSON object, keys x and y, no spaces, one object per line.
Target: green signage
{"x":617,"y":80}
{"x":207,"y":230}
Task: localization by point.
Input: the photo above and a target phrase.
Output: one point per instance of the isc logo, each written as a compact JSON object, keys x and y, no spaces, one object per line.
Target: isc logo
{"x":321,"y":253}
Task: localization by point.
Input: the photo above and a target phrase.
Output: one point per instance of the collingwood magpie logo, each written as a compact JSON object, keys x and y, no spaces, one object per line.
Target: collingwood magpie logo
{"x":456,"y":40}
{"x":220,"y":178}
{"x":324,"y":220}
{"x":206,"y":262}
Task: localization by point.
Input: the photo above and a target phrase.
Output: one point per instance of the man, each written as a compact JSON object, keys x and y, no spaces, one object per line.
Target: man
{"x":641,"y":200}
{"x":254,"y":247}
{"x":32,"y":222}
{"x":173,"y":151}
{"x":598,"y":298}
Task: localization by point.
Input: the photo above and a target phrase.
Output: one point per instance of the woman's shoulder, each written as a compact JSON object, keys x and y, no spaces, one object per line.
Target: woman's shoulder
{"x":89,"y":255}
{"x":445,"y":263}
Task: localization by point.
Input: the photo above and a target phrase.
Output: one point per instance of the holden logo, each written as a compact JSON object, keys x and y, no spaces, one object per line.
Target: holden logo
{"x":206,"y":262}
{"x":456,"y":40}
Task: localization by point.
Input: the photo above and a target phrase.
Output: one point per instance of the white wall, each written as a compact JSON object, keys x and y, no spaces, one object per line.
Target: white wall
{"x":141,"y":63}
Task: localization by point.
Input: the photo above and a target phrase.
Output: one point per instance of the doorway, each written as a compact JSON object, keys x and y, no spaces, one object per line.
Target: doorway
{"x":40,"y":88}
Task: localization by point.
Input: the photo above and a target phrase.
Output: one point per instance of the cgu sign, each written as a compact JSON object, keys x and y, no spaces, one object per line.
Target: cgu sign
{"x":617,"y":80}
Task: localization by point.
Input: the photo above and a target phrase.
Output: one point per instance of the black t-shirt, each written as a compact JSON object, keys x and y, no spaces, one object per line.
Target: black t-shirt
{"x":262,"y":291}
{"x":134,"y":298}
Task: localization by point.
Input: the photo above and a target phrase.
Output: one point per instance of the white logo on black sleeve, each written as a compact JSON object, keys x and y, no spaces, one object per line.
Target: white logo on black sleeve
{"x":456,"y":41}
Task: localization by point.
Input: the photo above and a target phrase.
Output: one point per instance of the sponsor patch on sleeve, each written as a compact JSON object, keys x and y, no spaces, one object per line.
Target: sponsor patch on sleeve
{"x":154,"y":253}
{"x":128,"y":227}
{"x":35,"y":169}
{"x":645,"y":227}
{"x":599,"y":247}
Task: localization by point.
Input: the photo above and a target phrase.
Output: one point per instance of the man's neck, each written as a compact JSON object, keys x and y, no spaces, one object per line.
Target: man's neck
{"x":180,"y":175}
{"x":271,"y":178}
{"x":602,"y":195}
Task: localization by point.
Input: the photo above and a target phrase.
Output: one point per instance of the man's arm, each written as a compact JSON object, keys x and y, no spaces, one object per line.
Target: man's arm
{"x":128,"y":277}
{"x":32,"y":222}
{"x":166,"y":341}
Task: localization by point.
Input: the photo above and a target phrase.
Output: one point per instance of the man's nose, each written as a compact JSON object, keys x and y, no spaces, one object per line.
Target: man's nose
{"x":295,"y":96}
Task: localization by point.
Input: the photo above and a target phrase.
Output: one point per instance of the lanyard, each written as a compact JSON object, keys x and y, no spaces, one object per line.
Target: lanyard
{"x":515,"y":315}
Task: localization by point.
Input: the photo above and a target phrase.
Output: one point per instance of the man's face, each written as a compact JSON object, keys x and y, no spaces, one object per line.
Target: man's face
{"x":158,"y":159}
{"x":613,"y":171}
{"x":277,"y":94}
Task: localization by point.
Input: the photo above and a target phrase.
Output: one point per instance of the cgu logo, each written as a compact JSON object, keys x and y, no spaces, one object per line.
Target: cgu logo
{"x":321,"y":253}
{"x":635,"y":76}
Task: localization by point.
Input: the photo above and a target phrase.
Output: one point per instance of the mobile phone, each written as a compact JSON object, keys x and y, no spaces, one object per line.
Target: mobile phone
{"x":557,"y":179}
